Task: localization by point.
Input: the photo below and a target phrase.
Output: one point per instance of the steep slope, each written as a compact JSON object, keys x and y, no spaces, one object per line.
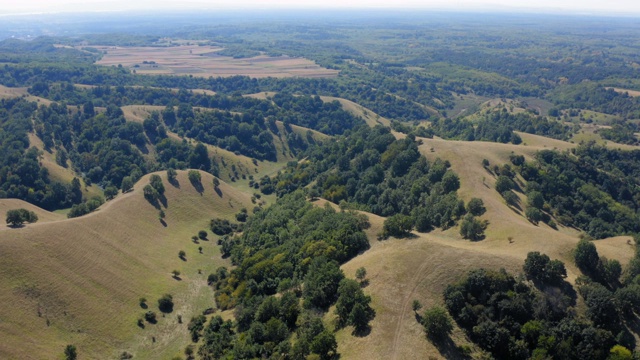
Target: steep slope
{"x":78,"y":281}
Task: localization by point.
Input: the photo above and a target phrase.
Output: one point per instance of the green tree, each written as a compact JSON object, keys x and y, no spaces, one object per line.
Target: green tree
{"x":535,"y":199}
{"x":533,"y":215}
{"x":194,"y":176}
{"x":325,"y":345}
{"x":398,"y":225}
{"x":503,"y":184}
{"x":437,"y":323}
{"x":216,"y":182}
{"x":70,"y":352}
{"x":510,"y":198}
{"x":472,"y":228}
{"x":350,"y":295}
{"x":586,"y":257}
{"x":619,"y":352}
{"x":17,"y":217}
{"x":361,"y":274}
{"x":476,"y":207}
{"x":110,"y":192}
{"x":127,"y":184}
{"x":156,"y":182}
{"x":150,"y":193}
{"x":171,"y":175}
{"x":321,"y":283}
{"x":450,"y":182}
{"x":165,"y":303}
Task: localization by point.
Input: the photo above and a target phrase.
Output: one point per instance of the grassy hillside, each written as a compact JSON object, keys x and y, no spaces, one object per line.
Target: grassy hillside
{"x":402,"y":270}
{"x":78,"y":281}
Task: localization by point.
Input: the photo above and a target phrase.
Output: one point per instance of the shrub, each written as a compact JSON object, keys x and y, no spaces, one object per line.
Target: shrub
{"x":202,"y":235}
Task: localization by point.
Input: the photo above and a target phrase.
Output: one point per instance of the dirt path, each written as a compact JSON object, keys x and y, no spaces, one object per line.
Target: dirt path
{"x":415,"y":280}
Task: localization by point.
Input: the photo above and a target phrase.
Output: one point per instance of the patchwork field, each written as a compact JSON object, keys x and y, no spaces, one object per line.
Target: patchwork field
{"x":203,"y":61}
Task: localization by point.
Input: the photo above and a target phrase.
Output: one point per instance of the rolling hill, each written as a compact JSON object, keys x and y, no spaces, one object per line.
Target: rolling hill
{"x":79,"y":280}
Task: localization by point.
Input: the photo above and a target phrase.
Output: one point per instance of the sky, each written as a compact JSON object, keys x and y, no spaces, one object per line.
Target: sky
{"x":573,"y":6}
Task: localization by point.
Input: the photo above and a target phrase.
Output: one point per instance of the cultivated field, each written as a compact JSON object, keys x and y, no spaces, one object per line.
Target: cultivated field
{"x":633,"y":93}
{"x":203,"y":61}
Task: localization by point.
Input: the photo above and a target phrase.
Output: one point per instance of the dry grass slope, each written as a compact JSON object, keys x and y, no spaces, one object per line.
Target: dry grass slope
{"x":78,"y":281}
{"x":400,"y":271}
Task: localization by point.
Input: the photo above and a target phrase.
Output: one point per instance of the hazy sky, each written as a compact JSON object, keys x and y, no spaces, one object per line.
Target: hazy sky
{"x":574,"y":6}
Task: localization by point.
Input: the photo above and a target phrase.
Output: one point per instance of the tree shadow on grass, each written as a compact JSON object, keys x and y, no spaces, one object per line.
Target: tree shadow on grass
{"x":218,"y":191}
{"x":362,"y":332}
{"x":447,"y":348}
{"x":198,"y":186}
{"x":164,"y":223}
{"x":163,"y":200}
{"x":175,"y":183}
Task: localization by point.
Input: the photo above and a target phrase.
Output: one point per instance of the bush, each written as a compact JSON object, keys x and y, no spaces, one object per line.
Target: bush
{"x":202,"y":235}
{"x":437,"y":323}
